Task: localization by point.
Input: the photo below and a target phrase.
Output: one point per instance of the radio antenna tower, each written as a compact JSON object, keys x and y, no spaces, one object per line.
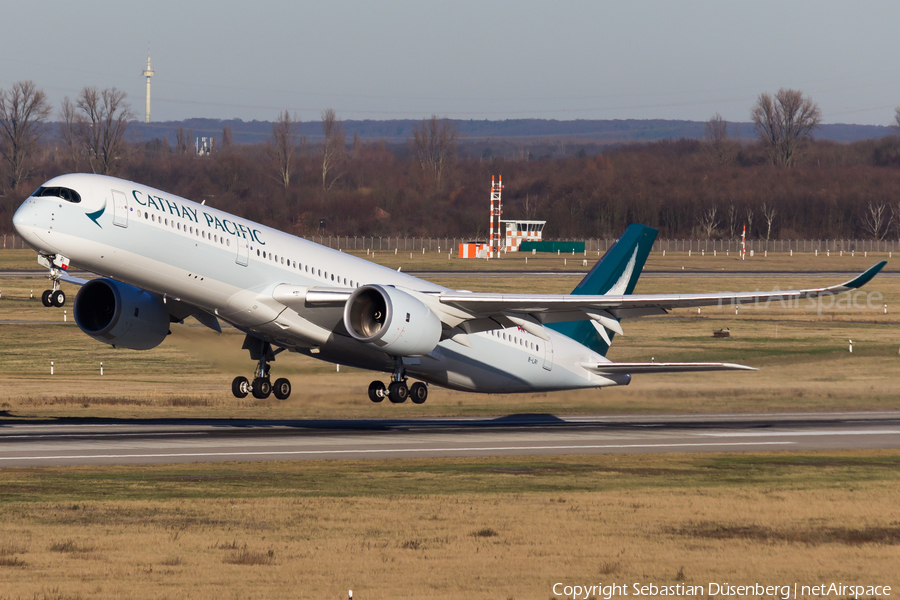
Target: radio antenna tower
{"x":148,"y":73}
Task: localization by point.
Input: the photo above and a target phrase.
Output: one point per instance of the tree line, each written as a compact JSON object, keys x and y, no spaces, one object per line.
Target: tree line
{"x":784,"y":184}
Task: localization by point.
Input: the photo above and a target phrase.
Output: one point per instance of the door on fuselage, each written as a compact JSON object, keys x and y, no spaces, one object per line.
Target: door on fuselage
{"x":548,"y":354}
{"x":243,"y":249}
{"x":120,"y":208}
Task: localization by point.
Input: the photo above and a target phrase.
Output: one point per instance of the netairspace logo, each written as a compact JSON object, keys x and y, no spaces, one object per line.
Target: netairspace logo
{"x":850,"y":300}
{"x":785,"y":592}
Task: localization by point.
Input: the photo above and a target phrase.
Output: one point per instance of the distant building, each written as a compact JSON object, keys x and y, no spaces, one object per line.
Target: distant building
{"x":522,"y":231}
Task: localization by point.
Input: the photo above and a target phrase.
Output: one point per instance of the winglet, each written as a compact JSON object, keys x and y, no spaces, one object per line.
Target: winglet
{"x":864,"y":277}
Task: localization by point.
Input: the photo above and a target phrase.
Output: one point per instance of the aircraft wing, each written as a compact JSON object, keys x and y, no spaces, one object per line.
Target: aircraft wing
{"x":606,"y":308}
{"x":64,"y":276}
{"x":470,"y":312}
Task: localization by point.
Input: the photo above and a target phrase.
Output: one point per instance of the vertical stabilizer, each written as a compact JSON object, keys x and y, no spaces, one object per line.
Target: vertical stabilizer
{"x":615,"y":274}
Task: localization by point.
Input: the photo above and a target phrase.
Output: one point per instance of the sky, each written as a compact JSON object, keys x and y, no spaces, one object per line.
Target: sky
{"x":484,"y":59}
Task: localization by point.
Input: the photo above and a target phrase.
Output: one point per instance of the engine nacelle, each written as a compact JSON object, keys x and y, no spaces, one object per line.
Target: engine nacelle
{"x":392,"y":321}
{"x":121,"y":315}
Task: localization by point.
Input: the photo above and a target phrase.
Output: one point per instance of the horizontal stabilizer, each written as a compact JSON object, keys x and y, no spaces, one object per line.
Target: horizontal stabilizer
{"x":632,"y":368}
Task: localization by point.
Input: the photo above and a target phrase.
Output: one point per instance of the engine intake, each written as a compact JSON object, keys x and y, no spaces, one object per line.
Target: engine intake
{"x":392,"y":321}
{"x":121,"y":315}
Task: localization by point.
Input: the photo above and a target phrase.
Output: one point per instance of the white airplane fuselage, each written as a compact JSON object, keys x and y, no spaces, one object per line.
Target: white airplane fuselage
{"x":230,"y":267}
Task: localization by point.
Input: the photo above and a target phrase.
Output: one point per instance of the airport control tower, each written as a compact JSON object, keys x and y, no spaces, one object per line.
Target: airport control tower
{"x":148,"y":73}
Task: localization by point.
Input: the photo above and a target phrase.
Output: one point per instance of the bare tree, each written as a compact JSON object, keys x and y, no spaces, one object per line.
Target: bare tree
{"x":875,"y":220}
{"x":96,"y":126}
{"x":67,"y":129}
{"x":749,"y":221}
{"x":532,"y":204}
{"x":284,"y":132}
{"x":895,"y":218}
{"x":768,"y":211}
{"x":333,"y":150}
{"x":783,"y":122}
{"x":180,"y":140}
{"x":434,"y":146}
{"x":718,"y":144}
{"x":732,"y":219}
{"x":23,"y":110}
{"x":709,"y":221}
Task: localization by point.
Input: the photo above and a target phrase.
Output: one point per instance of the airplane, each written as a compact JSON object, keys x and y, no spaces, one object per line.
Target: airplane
{"x":161,"y":258}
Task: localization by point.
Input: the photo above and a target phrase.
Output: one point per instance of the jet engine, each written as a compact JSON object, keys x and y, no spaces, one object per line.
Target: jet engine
{"x":121,"y":315}
{"x":392,"y":321}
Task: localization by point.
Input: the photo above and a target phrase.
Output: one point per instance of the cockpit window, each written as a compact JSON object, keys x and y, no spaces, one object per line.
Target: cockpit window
{"x":58,"y":192}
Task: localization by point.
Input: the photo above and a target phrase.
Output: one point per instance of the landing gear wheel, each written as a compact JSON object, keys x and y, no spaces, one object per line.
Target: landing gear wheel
{"x":261,"y":388}
{"x":282,"y":388}
{"x":398,"y":392}
{"x":418,"y":393}
{"x":240,"y":387}
{"x":45,"y":298}
{"x":377,"y":391}
{"x":58,"y":298}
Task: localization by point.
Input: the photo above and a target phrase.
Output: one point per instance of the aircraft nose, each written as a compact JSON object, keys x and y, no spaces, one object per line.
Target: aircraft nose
{"x":24,"y":217}
{"x":25,"y":222}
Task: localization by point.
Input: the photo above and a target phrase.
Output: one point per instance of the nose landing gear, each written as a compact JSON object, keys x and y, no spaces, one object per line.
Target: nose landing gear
{"x":57,"y":264}
{"x":261,"y":388}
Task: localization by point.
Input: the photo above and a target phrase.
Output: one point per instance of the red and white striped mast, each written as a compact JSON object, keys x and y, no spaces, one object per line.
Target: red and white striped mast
{"x":496,"y":187}
{"x":744,"y":242}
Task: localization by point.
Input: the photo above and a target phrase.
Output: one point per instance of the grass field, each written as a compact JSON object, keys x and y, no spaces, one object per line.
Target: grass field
{"x":514,"y":261}
{"x":456,"y":528}
{"x":803,"y":357}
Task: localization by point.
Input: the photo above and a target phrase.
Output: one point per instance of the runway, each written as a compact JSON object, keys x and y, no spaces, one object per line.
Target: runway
{"x":135,"y":441}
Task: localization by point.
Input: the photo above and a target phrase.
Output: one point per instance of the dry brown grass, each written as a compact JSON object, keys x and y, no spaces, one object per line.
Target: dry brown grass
{"x":803,"y":356}
{"x":800,"y":522}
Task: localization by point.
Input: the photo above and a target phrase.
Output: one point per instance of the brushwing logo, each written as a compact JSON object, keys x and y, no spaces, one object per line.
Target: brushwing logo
{"x":94,"y":216}
{"x":618,"y":289}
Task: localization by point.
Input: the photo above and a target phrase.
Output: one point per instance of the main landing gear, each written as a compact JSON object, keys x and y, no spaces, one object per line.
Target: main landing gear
{"x":398,"y":391}
{"x":56,"y":264}
{"x":261,"y":387}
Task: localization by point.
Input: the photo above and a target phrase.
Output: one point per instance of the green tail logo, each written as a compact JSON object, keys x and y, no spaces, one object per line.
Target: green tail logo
{"x":615,"y":274}
{"x":96,"y":215}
